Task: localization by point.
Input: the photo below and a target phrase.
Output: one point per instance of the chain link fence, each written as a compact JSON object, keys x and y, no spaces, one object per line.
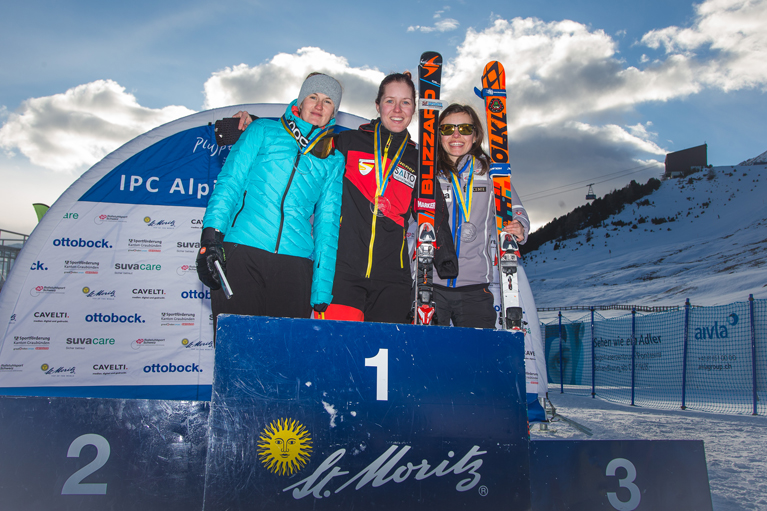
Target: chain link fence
{"x":703,"y":358}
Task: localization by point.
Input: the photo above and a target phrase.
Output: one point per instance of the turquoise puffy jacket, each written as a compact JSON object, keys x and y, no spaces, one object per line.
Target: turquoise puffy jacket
{"x":268,"y":191}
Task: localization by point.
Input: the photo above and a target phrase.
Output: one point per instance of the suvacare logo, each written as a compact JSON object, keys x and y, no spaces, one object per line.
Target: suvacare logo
{"x":71,"y":216}
{"x":99,"y":317}
{"x":50,"y":317}
{"x":131,"y":268}
{"x":81,"y":343}
{"x":187,"y":246}
{"x":193,"y":294}
{"x":99,"y":294}
{"x":148,"y":294}
{"x":47,"y":290}
{"x":170,"y":367}
{"x":104,"y":218}
{"x":38,"y":266}
{"x":81,"y":243}
{"x":159,"y":224}
{"x":185,"y":269}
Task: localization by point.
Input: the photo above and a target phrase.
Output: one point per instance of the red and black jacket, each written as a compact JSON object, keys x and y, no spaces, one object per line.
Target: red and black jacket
{"x":383,"y":253}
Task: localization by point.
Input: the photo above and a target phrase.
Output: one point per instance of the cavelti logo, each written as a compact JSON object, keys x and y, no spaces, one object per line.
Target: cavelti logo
{"x":284,"y":447}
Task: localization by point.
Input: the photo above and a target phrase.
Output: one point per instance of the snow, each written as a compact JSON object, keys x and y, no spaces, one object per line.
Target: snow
{"x":734,"y":444}
{"x":712,"y":252}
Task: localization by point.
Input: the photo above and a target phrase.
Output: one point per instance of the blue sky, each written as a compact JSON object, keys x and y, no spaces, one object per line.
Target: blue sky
{"x":598,"y":89}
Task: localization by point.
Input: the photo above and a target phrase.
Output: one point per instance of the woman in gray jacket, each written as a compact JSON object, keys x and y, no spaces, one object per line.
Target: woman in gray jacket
{"x":463,"y":174}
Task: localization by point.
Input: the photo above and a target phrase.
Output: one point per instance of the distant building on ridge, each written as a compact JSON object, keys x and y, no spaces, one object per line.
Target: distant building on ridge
{"x":686,"y":161}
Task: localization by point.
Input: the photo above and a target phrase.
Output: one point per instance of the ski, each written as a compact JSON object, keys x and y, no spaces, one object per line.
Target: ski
{"x":429,"y":106}
{"x":494,"y":93}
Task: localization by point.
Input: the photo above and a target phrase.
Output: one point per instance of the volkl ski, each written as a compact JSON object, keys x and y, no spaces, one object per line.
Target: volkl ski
{"x":494,"y":93}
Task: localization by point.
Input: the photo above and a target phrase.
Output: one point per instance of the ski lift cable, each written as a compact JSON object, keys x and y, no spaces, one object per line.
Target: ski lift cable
{"x":621,"y":172}
{"x":579,"y":186}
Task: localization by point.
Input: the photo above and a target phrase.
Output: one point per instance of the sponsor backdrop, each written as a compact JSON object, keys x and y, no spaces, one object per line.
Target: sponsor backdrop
{"x":104,"y":300}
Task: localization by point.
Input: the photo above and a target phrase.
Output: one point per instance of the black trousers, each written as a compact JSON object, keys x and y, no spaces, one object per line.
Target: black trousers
{"x":380,"y":301}
{"x":264,"y":284}
{"x":468,"y":306}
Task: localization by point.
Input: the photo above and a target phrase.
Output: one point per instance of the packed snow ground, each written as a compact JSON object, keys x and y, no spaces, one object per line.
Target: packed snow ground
{"x":712,"y":252}
{"x":710,"y":248}
{"x":736,"y":446}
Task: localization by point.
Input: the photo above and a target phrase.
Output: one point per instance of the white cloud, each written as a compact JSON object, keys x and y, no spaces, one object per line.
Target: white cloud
{"x":279,"y":80}
{"x":735,"y":34}
{"x":442,"y":25}
{"x":69,"y":131}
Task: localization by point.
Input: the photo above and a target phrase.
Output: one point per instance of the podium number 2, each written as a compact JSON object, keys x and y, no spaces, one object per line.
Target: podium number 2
{"x":626,"y":482}
{"x":381,"y":363}
{"x":73,"y":486}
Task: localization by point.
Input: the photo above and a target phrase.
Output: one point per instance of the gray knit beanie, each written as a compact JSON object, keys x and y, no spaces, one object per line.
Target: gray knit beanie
{"x":323,"y":84}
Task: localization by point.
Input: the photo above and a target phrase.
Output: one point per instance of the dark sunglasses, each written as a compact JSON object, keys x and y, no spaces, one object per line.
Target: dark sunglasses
{"x":463,"y":129}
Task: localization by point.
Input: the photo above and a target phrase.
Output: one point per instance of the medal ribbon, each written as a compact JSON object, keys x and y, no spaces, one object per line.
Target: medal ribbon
{"x":305,"y":144}
{"x":383,"y":173}
{"x":465,"y":204}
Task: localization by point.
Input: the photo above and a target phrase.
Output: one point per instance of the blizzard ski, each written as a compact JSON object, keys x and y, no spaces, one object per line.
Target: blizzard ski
{"x":429,"y":106}
{"x":494,"y":93}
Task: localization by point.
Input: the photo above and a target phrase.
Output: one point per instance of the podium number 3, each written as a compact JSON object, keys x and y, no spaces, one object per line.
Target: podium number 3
{"x":381,"y":363}
{"x":626,"y":482}
{"x":73,"y":486}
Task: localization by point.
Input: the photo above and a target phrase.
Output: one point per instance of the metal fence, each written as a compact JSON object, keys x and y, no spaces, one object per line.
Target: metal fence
{"x":703,"y":358}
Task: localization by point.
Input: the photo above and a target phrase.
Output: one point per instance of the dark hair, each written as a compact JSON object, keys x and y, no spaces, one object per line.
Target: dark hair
{"x":447,"y":167}
{"x":405,"y":78}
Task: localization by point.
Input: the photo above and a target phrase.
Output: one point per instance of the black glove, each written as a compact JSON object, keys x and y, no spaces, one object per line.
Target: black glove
{"x":321,"y":307}
{"x":211,"y":250}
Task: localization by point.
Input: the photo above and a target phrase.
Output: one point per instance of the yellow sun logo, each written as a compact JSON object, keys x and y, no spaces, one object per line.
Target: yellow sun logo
{"x":284,"y":447}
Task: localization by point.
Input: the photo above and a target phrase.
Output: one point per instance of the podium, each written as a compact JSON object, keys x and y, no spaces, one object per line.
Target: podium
{"x":326,"y":415}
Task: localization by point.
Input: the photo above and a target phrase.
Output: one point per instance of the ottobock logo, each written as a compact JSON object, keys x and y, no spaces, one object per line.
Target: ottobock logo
{"x":38,"y":266}
{"x":99,"y":317}
{"x":193,"y":294}
{"x":159,"y":224}
{"x":81,"y":243}
{"x":170,"y":367}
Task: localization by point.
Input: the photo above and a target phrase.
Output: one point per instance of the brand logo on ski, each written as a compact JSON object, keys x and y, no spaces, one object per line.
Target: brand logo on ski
{"x":495,"y":105}
{"x":431,"y":66}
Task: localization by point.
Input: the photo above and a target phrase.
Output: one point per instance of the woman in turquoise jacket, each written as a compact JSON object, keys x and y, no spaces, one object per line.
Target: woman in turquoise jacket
{"x":272,"y":220}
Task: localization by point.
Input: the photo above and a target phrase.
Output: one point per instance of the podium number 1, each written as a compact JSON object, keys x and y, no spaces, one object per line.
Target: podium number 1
{"x":381,"y":363}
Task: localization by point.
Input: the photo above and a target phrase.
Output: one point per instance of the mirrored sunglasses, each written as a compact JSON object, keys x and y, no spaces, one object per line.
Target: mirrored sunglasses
{"x":463,"y":129}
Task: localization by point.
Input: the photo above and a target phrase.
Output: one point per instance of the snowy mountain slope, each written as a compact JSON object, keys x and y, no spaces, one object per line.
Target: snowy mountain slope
{"x":759,"y":160}
{"x":702,"y":237}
